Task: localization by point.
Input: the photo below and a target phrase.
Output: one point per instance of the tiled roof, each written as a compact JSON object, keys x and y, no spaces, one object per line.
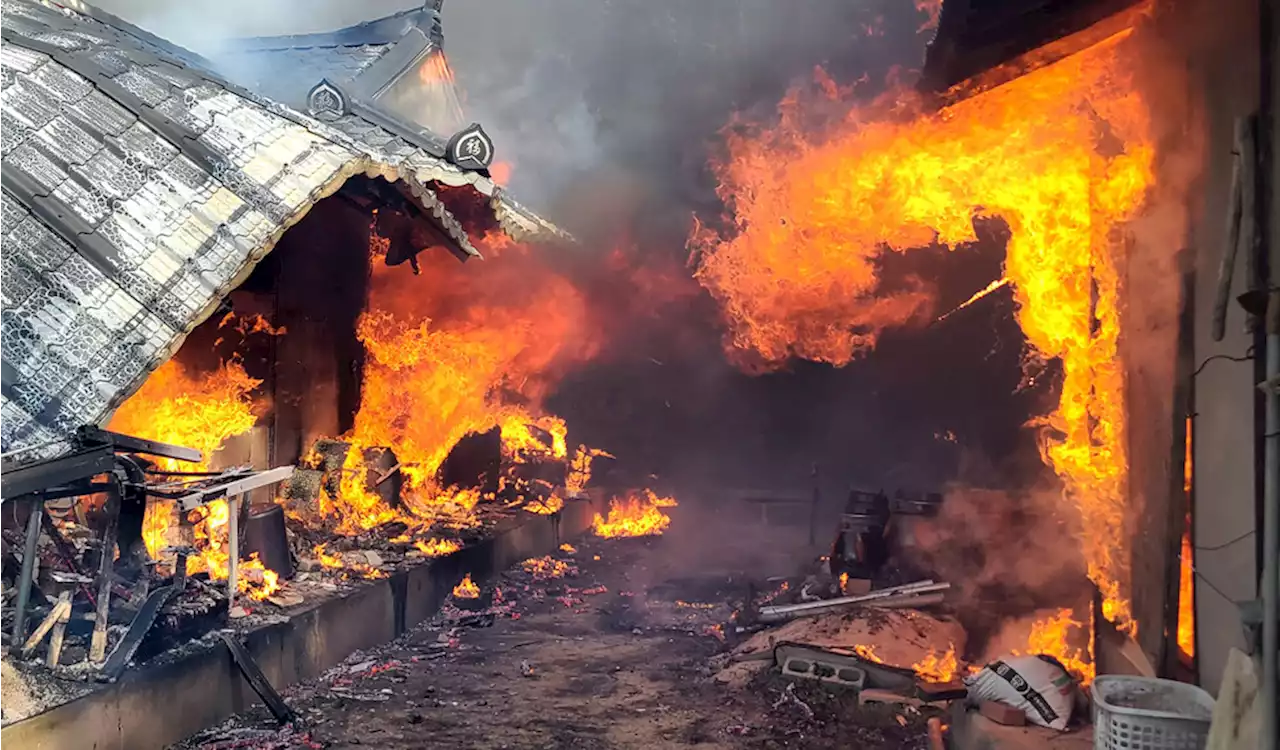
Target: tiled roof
{"x":286,"y":75}
{"x":137,"y":192}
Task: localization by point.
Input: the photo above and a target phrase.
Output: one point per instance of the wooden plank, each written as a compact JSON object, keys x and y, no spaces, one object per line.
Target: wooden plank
{"x":59,"y":630}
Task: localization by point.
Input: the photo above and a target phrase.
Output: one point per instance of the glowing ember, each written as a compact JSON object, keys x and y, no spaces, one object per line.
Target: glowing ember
{"x":568,"y":549}
{"x":437,"y":547}
{"x":938,"y":668}
{"x":545,"y":507}
{"x":1051,"y":638}
{"x":635,"y":515}
{"x":844,"y":582}
{"x":466,"y":589}
{"x":546,"y":567}
{"x":1063,"y":155}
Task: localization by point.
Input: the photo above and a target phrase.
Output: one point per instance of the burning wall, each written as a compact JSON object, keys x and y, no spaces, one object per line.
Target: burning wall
{"x":1066,"y":156}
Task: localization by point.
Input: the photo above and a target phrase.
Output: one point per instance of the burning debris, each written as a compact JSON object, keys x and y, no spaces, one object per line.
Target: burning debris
{"x":637,"y":514}
{"x":466,"y":589}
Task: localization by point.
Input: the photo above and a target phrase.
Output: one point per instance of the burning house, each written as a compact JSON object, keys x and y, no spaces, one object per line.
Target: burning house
{"x":247,"y":334}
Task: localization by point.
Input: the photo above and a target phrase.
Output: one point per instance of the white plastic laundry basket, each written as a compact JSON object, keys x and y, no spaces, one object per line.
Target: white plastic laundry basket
{"x":1143,"y":713}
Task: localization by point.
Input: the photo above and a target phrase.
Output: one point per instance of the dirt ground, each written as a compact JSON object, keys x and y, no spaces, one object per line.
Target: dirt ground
{"x":614,"y":654}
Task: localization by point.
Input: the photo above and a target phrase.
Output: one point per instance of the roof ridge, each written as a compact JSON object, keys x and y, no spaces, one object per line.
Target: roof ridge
{"x":386,"y":30}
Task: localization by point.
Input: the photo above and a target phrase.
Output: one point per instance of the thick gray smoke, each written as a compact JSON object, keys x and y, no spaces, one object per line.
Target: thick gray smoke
{"x":632,"y":88}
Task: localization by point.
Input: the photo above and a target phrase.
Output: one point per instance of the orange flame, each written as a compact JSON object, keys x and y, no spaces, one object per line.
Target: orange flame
{"x":437,"y":547}
{"x":211,"y":529}
{"x":580,"y":468}
{"x":635,"y":515}
{"x":1052,"y":637}
{"x":545,"y":507}
{"x":466,"y":589}
{"x":1187,"y":572}
{"x":457,"y":351}
{"x":1063,"y":155}
{"x":500,"y":172}
{"x":868,"y":653}
{"x":177,"y":407}
{"x":936,"y":667}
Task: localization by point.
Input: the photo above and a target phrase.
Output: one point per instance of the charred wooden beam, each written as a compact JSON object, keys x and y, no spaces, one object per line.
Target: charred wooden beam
{"x":28,"y":571}
{"x":91,"y":435}
{"x":257,"y":680}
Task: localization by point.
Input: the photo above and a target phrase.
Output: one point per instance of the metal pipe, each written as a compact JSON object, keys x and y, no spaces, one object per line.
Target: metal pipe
{"x":790,"y":611}
{"x":1271,"y":533}
{"x":28,"y":570}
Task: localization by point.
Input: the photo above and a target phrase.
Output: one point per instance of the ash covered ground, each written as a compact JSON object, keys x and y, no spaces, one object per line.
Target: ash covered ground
{"x":618,"y":650}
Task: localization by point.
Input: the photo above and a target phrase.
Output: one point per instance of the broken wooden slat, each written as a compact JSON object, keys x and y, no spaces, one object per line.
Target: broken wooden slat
{"x":59,"y":630}
{"x":257,"y":680}
{"x":55,"y":614}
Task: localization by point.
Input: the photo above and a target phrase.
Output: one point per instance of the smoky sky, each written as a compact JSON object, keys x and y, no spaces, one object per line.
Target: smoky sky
{"x":573,"y":87}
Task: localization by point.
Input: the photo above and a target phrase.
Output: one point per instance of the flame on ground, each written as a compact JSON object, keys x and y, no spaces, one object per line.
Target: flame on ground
{"x":936,"y":667}
{"x":638,"y":514}
{"x":1063,"y":155}
{"x":437,"y":547}
{"x":466,"y":589}
{"x":868,"y":653}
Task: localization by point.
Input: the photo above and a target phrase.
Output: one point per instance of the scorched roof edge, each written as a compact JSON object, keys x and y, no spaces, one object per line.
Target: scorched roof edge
{"x":975,"y":36}
{"x":386,"y":30}
{"x":137,"y":192}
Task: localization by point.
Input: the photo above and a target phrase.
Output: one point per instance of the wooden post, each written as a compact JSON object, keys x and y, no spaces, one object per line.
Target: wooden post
{"x":28,"y":570}
{"x":98,"y":643}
